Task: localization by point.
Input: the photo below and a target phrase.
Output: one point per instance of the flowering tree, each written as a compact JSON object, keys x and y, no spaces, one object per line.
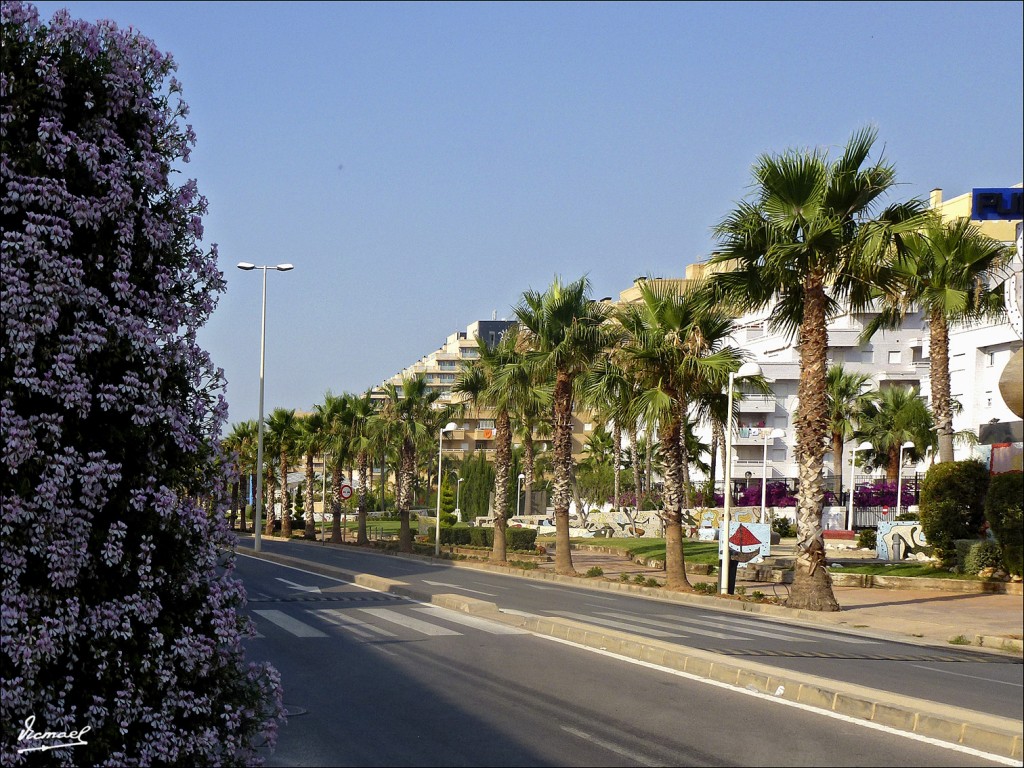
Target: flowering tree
{"x":120,"y":613}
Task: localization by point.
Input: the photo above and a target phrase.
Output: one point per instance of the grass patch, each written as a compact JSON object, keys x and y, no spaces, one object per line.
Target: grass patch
{"x":904,"y":569}
{"x":705,"y":552}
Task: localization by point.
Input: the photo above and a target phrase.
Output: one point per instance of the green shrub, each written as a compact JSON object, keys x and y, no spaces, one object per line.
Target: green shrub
{"x":623,"y":577}
{"x":952,"y":505}
{"x":597,"y":570}
{"x":481,"y":537}
{"x":782,"y":526}
{"x":867,"y":538}
{"x":453,"y":536}
{"x":980,"y":555}
{"x":520,"y":538}
{"x":1005,"y":515}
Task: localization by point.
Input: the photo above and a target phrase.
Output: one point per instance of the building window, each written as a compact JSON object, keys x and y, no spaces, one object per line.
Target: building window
{"x":485,"y":424}
{"x":894,"y":357}
{"x":588,"y":427}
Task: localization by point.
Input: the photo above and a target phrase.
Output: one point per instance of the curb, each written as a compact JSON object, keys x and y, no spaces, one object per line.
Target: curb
{"x":989,"y":733}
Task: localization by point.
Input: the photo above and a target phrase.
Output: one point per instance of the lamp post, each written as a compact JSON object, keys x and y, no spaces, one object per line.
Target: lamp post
{"x":449,"y":427}
{"x":865,"y":446}
{"x":519,"y":491}
{"x":769,"y":436}
{"x":746,"y":371}
{"x":899,"y":477}
{"x":247,"y":267}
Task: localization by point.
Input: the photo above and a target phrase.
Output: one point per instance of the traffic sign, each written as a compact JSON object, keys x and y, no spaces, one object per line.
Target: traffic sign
{"x":345,"y":491}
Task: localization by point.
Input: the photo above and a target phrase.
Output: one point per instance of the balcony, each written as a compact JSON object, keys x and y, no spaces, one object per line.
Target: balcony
{"x":757,"y":404}
{"x":753,"y":436}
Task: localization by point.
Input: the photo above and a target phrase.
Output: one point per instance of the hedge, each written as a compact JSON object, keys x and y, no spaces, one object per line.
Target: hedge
{"x":1005,"y":515}
{"x":952,"y":505}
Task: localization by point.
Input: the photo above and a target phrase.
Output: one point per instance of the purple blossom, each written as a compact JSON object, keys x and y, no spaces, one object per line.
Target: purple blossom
{"x":115,"y":613}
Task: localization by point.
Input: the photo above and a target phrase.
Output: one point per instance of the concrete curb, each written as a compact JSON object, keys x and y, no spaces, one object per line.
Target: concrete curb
{"x":989,"y":733}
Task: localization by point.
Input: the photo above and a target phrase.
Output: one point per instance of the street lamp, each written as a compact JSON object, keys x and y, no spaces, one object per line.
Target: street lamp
{"x":865,"y":446}
{"x":768,"y":437}
{"x":519,"y":487}
{"x":745,"y":372}
{"x":899,"y":476}
{"x":458,"y":491}
{"x":449,"y":427}
{"x":247,"y":267}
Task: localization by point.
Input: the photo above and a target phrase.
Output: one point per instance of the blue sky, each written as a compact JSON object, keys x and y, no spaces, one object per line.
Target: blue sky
{"x":423,"y":164}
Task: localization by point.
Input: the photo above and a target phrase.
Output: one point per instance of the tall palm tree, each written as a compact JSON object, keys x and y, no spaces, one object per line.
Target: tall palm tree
{"x":847,"y":394}
{"x":810,"y":240}
{"x":943,"y":269}
{"x":361,"y":443}
{"x":896,"y":416}
{"x":240,"y":447}
{"x":409,"y":418}
{"x":334,"y":411}
{"x":283,"y":431}
{"x":479,"y":383}
{"x":676,"y":346}
{"x":311,"y":439}
{"x":566,"y":332}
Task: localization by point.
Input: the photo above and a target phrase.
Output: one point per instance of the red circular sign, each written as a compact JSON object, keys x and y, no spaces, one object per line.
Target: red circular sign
{"x":345,"y":491}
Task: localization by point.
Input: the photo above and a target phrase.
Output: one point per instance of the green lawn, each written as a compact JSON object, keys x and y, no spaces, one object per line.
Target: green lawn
{"x":693,"y":551}
{"x":903,"y":569}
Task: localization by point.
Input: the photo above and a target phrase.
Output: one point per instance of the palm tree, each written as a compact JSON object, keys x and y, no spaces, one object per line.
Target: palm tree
{"x":848,"y":395}
{"x":408,"y":417}
{"x":240,"y":447}
{"x":283,"y":433}
{"x":311,"y":440}
{"x":566,"y":332}
{"x":361,"y":443}
{"x":807,"y":244}
{"x":896,"y":416}
{"x":943,"y":269}
{"x":479,"y":382}
{"x":675,"y":345}
{"x":334,"y":412}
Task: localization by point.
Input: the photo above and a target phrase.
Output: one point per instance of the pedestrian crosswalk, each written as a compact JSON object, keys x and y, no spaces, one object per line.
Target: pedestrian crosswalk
{"x":374,"y":624}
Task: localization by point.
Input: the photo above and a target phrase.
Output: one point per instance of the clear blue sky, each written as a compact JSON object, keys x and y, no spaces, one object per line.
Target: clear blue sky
{"x":423,"y":164}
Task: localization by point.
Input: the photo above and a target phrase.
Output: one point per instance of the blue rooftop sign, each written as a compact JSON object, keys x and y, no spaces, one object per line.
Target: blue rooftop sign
{"x":1005,"y":204}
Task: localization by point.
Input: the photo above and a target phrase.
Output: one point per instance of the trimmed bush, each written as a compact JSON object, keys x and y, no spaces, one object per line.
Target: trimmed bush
{"x":1005,"y":515}
{"x":952,"y":505}
{"x":867,"y":538}
{"x":520,"y":538}
{"x":980,"y":555}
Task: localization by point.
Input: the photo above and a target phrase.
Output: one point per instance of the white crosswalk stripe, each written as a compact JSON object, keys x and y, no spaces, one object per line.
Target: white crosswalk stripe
{"x":408,"y":622}
{"x":289,"y":624}
{"x":795,"y":631}
{"x":686,"y":626}
{"x":631,"y":627}
{"x":471,"y":621}
{"x":357,"y":627}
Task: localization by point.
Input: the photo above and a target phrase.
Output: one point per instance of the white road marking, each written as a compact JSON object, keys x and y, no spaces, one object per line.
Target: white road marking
{"x":795,"y":704}
{"x":301,"y":587}
{"x":684,"y":624}
{"x":794,"y":631}
{"x":288,"y":624}
{"x":409,"y":622}
{"x":616,"y":624}
{"x":973,"y":677}
{"x":353,"y":625}
{"x":621,"y":751}
{"x":456,"y":586}
{"x":471,"y":621}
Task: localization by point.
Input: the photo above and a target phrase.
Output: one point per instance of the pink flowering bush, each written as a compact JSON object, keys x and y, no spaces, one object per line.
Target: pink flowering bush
{"x":120,"y":611}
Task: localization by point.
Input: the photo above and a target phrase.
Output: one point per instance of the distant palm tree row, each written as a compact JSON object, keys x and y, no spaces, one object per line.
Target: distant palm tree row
{"x":808,"y":244}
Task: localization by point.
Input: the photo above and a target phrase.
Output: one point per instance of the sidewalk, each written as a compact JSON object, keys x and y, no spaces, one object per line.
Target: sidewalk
{"x":930,"y":616}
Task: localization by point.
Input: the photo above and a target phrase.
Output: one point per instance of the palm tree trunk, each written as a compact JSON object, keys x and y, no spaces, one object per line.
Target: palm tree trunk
{"x":812,"y":585}
{"x":684,"y":459}
{"x":675,"y":564}
{"x":562,"y":484}
{"x":617,"y":458}
{"x":336,"y":505}
{"x":364,"y":492}
{"x":310,"y":532}
{"x":286,"y":516}
{"x":408,"y":470}
{"x":271,"y":487}
{"x":713,"y":470}
{"x":528,"y":460}
{"x":502,"y":464}
{"x":637,"y":489}
{"x":837,"y":464}
{"x":941,"y":399}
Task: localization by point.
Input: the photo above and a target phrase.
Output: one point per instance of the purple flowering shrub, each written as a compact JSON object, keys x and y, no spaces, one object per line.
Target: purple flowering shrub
{"x":882,"y":493}
{"x":120,"y":611}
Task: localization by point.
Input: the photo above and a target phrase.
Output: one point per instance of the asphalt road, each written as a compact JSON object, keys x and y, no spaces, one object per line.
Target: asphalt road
{"x":376,"y":679}
{"x":978,"y":681}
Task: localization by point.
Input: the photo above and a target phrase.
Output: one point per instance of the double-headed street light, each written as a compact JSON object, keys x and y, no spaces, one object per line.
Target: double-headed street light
{"x":746,"y":371}
{"x":899,"y":478}
{"x":768,"y":437}
{"x":865,"y":446}
{"x":247,"y":267}
{"x":519,"y":491}
{"x":449,"y":427}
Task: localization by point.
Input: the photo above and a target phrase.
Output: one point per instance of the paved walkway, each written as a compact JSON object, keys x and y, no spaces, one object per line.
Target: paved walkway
{"x":988,"y":620}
